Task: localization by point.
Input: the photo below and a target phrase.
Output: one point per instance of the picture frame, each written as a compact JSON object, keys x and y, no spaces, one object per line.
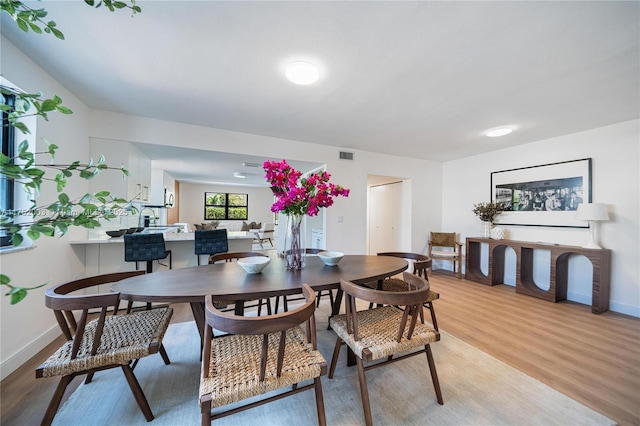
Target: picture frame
{"x":544,"y":195}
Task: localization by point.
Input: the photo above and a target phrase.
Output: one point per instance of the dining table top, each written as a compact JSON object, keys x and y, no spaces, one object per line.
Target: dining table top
{"x":228,"y":281}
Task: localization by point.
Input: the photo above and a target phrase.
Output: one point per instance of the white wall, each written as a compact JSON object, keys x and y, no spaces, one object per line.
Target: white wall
{"x":28,"y":326}
{"x":192,"y":203}
{"x":615,"y":153}
{"x":349,"y":236}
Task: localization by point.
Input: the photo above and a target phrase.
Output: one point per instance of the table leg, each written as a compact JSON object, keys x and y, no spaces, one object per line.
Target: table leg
{"x":197,"y":308}
{"x":239,"y":308}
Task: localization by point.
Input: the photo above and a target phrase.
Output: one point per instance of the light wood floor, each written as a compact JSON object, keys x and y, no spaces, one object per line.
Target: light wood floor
{"x":594,"y":359}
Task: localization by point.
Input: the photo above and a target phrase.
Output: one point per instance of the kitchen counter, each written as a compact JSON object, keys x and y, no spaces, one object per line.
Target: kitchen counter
{"x":168,"y":237}
{"x":104,"y":254}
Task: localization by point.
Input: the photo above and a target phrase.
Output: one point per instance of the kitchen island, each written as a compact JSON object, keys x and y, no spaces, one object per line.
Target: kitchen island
{"x":105,"y":255}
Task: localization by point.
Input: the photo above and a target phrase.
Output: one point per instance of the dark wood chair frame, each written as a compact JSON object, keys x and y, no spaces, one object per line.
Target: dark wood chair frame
{"x":455,"y":258}
{"x":277,"y":323}
{"x":63,"y":305}
{"x":421,"y":265}
{"x":319,"y":294}
{"x":230,"y":257}
{"x":412,"y":301}
{"x":260,"y":236}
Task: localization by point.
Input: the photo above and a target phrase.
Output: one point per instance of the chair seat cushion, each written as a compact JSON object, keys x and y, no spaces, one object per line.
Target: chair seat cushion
{"x":377,"y":329}
{"x":395,"y":284}
{"x":124,"y":338}
{"x":444,"y":253}
{"x":234,"y":370}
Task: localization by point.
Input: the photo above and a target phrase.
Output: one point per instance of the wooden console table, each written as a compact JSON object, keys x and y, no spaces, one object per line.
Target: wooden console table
{"x":600,"y":260}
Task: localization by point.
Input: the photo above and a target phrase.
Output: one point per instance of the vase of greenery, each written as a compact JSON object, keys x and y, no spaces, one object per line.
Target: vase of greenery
{"x":487,"y":213}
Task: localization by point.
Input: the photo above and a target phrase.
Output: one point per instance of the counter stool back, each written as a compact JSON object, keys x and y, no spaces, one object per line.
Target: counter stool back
{"x":145,"y":248}
{"x":211,"y":241}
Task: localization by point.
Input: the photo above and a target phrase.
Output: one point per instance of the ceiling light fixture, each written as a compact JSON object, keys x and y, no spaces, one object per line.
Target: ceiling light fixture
{"x":251,"y":164}
{"x":302,"y":73}
{"x":501,"y":131}
{"x":240,"y":175}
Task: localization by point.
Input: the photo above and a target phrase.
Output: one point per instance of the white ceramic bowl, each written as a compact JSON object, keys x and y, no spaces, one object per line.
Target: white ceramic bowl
{"x":254,"y":265}
{"x":331,"y":258}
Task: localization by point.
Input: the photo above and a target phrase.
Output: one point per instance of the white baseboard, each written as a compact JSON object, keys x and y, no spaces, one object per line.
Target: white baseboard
{"x":16,"y":360}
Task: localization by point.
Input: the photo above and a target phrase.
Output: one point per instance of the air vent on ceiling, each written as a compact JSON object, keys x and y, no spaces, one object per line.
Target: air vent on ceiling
{"x":251,"y":164}
{"x":346,"y":155}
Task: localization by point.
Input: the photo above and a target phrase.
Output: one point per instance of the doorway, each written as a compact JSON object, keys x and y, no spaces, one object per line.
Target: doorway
{"x":389,"y":215}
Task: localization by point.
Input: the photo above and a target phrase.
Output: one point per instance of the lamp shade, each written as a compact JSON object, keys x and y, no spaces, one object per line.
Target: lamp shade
{"x":592,"y":211}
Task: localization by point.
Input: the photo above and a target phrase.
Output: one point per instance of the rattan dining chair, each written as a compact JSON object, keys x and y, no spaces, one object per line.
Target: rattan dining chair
{"x":109,"y":341}
{"x":319,"y":294}
{"x":234,"y":256}
{"x":385,"y":331}
{"x":421,"y":265}
{"x":260,"y":355}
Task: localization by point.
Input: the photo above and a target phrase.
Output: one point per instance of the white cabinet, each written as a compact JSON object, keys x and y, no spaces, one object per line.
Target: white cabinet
{"x":317,"y":238}
{"x":137,"y":186}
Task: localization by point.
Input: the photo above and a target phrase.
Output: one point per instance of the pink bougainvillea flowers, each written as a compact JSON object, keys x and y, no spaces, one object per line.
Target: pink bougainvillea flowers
{"x":297,"y":195}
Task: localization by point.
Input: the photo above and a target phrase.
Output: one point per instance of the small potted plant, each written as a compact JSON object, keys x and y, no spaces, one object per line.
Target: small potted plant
{"x":487,"y":213}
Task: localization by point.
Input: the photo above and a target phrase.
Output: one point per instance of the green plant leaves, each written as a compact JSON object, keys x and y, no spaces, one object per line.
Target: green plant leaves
{"x":27,"y":172}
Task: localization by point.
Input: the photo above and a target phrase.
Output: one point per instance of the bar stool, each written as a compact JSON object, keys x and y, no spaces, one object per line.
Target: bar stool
{"x":210,"y":242}
{"x":145,"y":248}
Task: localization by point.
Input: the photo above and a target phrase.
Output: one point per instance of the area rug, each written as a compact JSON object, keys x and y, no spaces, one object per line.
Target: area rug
{"x":477,"y":390}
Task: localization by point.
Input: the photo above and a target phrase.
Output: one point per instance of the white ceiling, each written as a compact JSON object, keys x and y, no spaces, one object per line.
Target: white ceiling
{"x":419,"y":79}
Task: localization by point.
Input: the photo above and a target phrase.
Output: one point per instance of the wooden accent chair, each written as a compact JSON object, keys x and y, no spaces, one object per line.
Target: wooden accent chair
{"x":109,"y":341}
{"x":444,"y":245}
{"x":210,"y":241}
{"x":382,"y":332}
{"x":421,"y":266}
{"x":261,"y":355}
{"x":230,"y":257}
{"x":265,"y":233}
{"x":319,"y":294}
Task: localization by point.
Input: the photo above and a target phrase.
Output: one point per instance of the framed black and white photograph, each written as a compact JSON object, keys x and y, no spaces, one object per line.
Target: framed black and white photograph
{"x":545,"y":195}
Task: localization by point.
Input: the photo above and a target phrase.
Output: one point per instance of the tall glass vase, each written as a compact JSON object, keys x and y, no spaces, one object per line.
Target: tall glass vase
{"x":294,"y":242}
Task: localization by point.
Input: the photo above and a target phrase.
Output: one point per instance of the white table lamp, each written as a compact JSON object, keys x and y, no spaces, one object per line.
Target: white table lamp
{"x":592,"y":213}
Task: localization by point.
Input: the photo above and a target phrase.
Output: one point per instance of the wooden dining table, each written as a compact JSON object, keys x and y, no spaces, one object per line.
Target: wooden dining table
{"x":228,"y":281}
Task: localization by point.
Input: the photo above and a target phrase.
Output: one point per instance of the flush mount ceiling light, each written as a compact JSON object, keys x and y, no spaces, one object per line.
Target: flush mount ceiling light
{"x":302,"y":73}
{"x":501,"y":131}
{"x":240,"y":175}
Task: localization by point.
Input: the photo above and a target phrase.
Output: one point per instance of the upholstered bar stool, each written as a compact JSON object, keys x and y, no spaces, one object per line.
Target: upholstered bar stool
{"x":210,"y":242}
{"x":145,"y":248}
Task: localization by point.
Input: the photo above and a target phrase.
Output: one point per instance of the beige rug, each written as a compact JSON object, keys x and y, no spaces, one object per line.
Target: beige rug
{"x":477,"y":390}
